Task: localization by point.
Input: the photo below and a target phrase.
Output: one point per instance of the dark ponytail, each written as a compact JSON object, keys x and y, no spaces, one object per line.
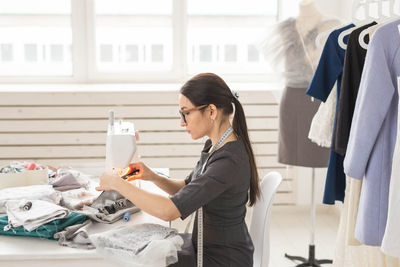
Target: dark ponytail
{"x":239,"y":125}
{"x":209,"y":88}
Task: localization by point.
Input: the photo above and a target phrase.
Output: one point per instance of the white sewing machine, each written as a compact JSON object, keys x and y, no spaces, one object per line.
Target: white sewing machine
{"x":121,"y":143}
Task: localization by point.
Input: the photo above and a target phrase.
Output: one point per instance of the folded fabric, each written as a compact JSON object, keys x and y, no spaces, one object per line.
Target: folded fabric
{"x":38,"y":213}
{"x":66,"y":182}
{"x":139,"y":245}
{"x":75,"y":236}
{"x":75,"y":199}
{"x":33,"y":192}
{"x":44,"y":231}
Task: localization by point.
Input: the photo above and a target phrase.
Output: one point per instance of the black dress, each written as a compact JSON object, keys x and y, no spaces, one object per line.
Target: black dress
{"x":222,"y":190}
{"x":352,"y":70}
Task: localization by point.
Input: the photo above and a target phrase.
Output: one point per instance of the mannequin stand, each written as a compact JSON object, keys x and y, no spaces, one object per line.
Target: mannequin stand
{"x":311,"y":261}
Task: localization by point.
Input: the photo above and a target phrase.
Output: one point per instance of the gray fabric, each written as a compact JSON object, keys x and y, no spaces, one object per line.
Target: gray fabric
{"x":65,"y":182}
{"x":139,"y":245}
{"x":222,"y":191}
{"x":295,"y":116}
{"x":75,"y":236}
{"x":109,"y":207}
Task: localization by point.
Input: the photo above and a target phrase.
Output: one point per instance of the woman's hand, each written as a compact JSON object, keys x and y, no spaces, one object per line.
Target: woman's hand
{"x":108,"y":181}
{"x":145,"y":172}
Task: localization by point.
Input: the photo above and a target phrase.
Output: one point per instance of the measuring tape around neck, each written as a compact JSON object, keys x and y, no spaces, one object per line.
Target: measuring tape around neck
{"x":200,"y":210}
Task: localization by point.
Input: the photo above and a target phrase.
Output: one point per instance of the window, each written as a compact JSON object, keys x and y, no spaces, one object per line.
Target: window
{"x":133,"y":36}
{"x":222,"y":32}
{"x":34,"y":38}
{"x":132,"y":40}
{"x":31,"y":53}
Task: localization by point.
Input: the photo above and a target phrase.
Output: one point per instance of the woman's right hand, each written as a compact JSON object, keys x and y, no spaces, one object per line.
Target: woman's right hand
{"x":144,"y":172}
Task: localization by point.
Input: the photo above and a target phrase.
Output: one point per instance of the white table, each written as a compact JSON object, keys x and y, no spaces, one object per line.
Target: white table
{"x":33,"y":251}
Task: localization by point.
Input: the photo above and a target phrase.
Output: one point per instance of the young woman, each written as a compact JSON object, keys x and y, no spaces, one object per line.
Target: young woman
{"x":223,"y":181}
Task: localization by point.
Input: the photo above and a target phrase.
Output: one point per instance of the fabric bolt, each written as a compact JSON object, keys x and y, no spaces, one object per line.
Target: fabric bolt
{"x":139,"y":245}
{"x":44,"y":231}
{"x":33,"y":192}
{"x":39,"y":213}
{"x":222,"y":191}
{"x":65,"y":182}
{"x":321,"y":127}
{"x":373,"y":132}
{"x":285,"y":47}
{"x":109,"y":207}
{"x":353,"y":67}
{"x":329,"y":71}
{"x":75,"y":236}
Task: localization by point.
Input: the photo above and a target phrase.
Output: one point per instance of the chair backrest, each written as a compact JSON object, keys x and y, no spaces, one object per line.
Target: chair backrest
{"x":260,"y":220}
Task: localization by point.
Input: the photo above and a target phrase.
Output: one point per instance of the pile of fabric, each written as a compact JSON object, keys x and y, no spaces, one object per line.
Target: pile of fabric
{"x":68,"y":207}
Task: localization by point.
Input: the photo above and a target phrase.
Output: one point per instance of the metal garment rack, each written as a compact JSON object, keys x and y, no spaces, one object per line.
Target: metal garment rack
{"x":311,"y":261}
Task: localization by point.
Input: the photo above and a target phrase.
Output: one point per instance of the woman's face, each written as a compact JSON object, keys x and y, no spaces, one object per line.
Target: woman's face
{"x":196,"y":123}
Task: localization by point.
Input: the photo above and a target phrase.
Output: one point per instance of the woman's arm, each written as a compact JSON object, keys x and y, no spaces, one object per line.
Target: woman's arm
{"x":156,"y":205}
{"x":169,"y":186}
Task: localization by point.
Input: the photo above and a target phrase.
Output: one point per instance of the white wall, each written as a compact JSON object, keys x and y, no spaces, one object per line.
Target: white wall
{"x":337,"y":8}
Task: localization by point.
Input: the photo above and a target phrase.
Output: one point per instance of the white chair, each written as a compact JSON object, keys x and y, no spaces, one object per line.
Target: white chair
{"x":260,"y":219}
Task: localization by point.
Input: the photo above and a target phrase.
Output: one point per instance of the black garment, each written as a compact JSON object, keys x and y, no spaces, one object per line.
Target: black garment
{"x":353,"y":67}
{"x":222,"y":190}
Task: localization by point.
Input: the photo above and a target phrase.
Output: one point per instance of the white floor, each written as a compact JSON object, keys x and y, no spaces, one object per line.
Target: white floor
{"x":290,"y":233}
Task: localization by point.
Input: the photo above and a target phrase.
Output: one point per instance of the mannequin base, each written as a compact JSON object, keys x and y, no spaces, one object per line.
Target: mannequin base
{"x":311,"y":261}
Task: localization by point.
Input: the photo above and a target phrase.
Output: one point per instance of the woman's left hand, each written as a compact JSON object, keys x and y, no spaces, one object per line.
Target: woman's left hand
{"x":108,"y":181}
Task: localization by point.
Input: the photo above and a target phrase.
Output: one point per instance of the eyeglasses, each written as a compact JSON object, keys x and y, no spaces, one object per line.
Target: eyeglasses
{"x":183,"y":116}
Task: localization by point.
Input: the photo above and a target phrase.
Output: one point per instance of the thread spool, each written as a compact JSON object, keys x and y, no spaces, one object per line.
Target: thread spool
{"x":127,"y":216}
{"x":27,"y":206}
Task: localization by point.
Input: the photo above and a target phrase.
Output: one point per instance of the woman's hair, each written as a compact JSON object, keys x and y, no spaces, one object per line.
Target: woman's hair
{"x":209,"y":88}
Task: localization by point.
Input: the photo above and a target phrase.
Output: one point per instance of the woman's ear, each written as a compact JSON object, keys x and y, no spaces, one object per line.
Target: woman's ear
{"x":213,"y":111}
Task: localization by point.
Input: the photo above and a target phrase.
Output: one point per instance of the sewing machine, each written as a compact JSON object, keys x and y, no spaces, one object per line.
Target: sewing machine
{"x":121,"y":144}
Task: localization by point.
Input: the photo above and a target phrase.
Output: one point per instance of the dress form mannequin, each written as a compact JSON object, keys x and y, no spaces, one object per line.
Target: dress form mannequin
{"x":308,"y":16}
{"x":308,"y":19}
